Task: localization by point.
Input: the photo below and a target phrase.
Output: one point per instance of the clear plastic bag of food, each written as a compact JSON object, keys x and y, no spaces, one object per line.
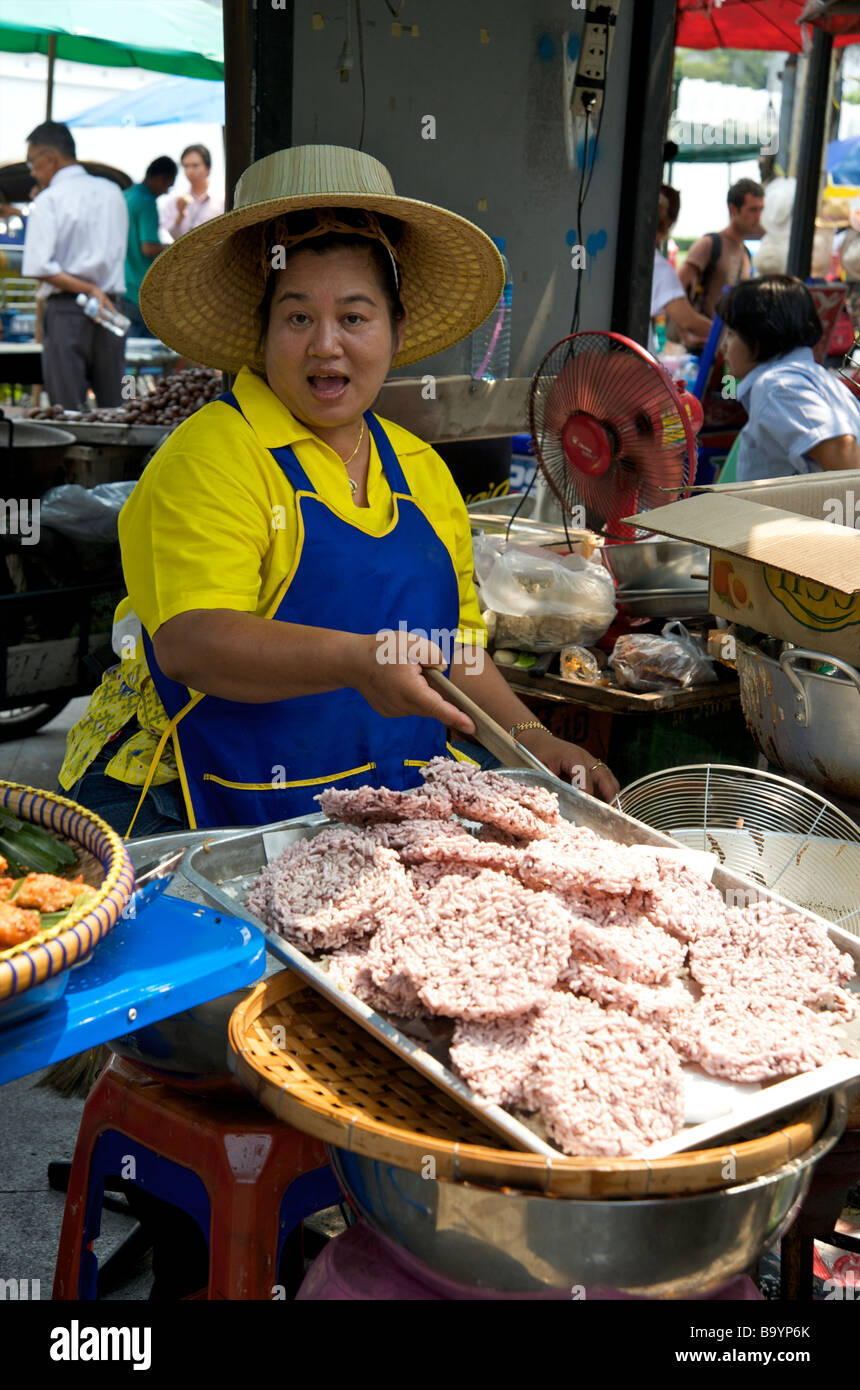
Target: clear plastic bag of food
{"x":673,"y":661}
{"x":542,"y":602}
{"x":579,"y":664}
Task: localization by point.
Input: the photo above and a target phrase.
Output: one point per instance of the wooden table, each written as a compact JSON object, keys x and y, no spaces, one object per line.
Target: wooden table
{"x":641,"y":733}
{"x":616,"y":700}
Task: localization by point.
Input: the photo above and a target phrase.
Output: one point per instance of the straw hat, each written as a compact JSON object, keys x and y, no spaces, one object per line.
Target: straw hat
{"x":201,"y":295}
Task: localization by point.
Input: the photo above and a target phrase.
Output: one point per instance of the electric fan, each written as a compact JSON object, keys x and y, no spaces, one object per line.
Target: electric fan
{"x":612,"y":433}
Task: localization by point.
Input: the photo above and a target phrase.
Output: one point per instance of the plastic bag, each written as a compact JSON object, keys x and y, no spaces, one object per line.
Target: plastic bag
{"x":541,"y":602}
{"x":778,"y":205}
{"x":85,"y":513}
{"x":579,"y":664}
{"x":672,"y":661}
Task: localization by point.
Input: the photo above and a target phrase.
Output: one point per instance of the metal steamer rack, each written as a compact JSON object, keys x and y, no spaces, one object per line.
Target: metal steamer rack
{"x":223,"y":867}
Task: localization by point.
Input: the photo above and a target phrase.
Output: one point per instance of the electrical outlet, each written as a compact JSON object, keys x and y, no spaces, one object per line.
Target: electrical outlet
{"x":593,"y":63}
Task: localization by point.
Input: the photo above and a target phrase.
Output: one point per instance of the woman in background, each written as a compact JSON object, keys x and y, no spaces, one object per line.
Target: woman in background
{"x":801,"y":418}
{"x":183,"y":211}
{"x":668,"y":296}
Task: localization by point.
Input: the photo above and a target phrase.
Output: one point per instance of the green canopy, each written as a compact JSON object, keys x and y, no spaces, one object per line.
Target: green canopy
{"x":716,"y":154}
{"x":175,"y":36}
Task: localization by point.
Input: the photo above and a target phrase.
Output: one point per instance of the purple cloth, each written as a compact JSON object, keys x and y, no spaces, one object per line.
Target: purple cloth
{"x":363,"y":1266}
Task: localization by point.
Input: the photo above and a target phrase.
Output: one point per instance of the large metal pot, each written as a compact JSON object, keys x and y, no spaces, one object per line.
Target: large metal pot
{"x":805,"y":722}
{"x":31,"y":457}
{"x":513,"y":1242}
{"x":191,"y":1044}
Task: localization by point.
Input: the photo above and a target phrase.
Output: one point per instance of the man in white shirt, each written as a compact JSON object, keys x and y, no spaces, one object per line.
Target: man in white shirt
{"x":77,"y":232}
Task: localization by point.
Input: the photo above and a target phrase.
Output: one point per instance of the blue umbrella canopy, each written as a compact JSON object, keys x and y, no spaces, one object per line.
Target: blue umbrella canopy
{"x":843,"y":161}
{"x":173,"y":100}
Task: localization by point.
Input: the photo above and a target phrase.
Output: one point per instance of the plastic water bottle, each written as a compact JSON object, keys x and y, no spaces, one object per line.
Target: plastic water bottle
{"x":114,"y":322}
{"x":490,"y":344}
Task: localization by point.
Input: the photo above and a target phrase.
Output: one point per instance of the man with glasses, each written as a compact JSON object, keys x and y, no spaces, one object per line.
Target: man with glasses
{"x":76,"y":237}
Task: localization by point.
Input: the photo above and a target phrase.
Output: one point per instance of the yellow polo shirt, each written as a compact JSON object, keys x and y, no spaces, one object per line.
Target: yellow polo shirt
{"x":213,"y":523}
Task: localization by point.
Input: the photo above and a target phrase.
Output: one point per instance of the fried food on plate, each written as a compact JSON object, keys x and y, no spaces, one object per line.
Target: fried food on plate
{"x":17,"y":925}
{"x":47,"y":892}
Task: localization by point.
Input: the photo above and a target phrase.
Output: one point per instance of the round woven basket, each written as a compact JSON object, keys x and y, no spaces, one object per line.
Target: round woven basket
{"x":104,"y":865}
{"x":316,"y":1069}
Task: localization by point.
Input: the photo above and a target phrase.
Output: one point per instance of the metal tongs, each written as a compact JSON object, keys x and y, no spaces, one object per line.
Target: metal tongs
{"x":509,"y":751}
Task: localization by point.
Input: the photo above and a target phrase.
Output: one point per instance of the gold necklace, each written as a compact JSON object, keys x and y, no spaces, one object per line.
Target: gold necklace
{"x":346,"y":462}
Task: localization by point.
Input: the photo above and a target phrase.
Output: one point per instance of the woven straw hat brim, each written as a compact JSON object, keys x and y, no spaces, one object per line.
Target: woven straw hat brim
{"x":201,"y":295}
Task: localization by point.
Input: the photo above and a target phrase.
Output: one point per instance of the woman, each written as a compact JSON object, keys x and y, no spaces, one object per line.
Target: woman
{"x":288,"y":500}
{"x":668,"y":296}
{"x":801,"y":418}
{"x":183,"y":211}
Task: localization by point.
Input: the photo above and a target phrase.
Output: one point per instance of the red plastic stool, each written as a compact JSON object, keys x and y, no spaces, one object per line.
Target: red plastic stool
{"x":834,"y":1175}
{"x":246,"y":1178}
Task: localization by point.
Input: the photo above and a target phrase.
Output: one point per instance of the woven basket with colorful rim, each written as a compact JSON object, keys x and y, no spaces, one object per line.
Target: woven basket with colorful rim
{"x":317,"y":1070}
{"x":103,"y":862}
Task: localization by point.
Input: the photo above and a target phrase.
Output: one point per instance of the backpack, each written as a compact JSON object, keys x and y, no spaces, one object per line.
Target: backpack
{"x":698,"y":293}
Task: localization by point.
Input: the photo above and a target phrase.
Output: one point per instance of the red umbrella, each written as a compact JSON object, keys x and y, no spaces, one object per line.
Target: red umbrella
{"x":771,"y":25}
{"x":838,"y":17}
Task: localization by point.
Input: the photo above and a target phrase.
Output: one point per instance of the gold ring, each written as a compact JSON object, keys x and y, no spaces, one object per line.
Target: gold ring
{"x":595,"y":766}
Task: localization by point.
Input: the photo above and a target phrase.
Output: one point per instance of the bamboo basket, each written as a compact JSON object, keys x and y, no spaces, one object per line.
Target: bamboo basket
{"x":104,"y":865}
{"x":317,"y":1070}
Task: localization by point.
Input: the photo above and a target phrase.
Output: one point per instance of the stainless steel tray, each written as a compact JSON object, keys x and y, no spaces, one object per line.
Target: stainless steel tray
{"x":222,"y":870}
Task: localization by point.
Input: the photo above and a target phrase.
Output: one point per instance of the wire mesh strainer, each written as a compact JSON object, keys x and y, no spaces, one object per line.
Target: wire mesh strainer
{"x":767,"y":828}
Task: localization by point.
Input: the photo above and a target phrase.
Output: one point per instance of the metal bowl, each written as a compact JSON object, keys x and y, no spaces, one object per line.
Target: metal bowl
{"x":664,"y":603}
{"x":31,"y":434}
{"x":658,"y":564}
{"x":192,"y":1042}
{"x":513,"y":1242}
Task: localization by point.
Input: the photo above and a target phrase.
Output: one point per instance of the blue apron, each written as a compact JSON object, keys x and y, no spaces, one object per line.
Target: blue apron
{"x":248,"y":764}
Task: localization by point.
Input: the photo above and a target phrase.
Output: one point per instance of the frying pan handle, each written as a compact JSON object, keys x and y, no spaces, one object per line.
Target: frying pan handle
{"x":801,"y":699}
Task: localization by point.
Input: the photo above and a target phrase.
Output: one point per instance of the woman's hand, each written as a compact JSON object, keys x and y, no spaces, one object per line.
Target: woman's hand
{"x":572,"y":763}
{"x":388,"y":674}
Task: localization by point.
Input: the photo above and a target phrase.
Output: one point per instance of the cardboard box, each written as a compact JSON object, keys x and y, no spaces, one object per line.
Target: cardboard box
{"x":783,"y":561}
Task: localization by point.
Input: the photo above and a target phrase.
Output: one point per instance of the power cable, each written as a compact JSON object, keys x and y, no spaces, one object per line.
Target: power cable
{"x":361,"y":71}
